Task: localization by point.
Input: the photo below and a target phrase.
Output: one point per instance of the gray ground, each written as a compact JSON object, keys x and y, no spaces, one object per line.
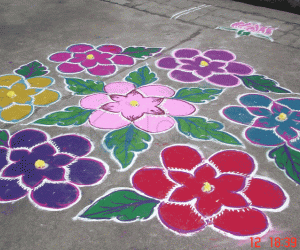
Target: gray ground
{"x":33,"y":29}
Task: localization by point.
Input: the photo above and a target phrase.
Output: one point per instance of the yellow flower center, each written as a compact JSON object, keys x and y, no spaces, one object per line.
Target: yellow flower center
{"x":206,"y":187}
{"x":134,"y":103}
{"x":203,"y":64}
{"x":11,"y":94}
{"x":282,"y":117}
{"x":90,"y":57}
{"x":40,"y":164}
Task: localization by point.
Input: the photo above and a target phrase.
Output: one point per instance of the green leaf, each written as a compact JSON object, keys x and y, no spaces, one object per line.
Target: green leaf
{"x":287,"y":159}
{"x":32,"y":69}
{"x":70,"y":116}
{"x":262,"y":36}
{"x":81,"y":87}
{"x":262,"y":84}
{"x":4,"y":136}
{"x":124,"y":205}
{"x":199,"y":128}
{"x":243,"y":33}
{"x":228,"y":29}
{"x":197,"y":95}
{"x":141,"y":77}
{"x":140,"y":52}
{"x":125,"y":143}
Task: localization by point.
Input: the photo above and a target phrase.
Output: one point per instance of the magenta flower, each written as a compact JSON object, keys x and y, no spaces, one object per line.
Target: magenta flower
{"x":100,"y":61}
{"x":217,"y":67}
{"x":148,"y":107}
{"x":253,"y":27}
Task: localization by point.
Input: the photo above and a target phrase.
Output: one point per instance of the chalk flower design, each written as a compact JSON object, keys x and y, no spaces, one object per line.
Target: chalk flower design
{"x":147,"y":107}
{"x":253,"y":28}
{"x":222,"y":192}
{"x":217,"y":67}
{"x":48,"y":171}
{"x":19,"y":96}
{"x":270,"y":122}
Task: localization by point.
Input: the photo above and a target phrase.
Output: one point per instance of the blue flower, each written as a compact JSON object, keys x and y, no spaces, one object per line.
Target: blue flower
{"x":270,"y":122}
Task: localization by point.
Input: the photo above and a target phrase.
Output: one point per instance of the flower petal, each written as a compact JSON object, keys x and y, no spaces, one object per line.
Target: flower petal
{"x":223,"y":55}
{"x":9,"y":80}
{"x":229,"y":182}
{"x":292,"y":103}
{"x":186,"y":53}
{"x":265,"y":122}
{"x":233,"y":161}
{"x":181,"y":194}
{"x":69,"y":68}
{"x":277,"y":109}
{"x":77,"y":58}
{"x":15,"y":113}
{"x":70,"y":144}
{"x":40,"y":82}
{"x":46,"y":97}
{"x":55,"y":195}
{"x":155,"y":123}
{"x":102,"y":70}
{"x":122,"y":60}
{"x":258,"y":111}
{"x":286,"y":133}
{"x":182,"y":76}
{"x":180,"y":157}
{"x":10,"y":190}
{"x":181,"y":219}
{"x":265,"y":194}
{"x":238,"y":114}
{"x":105,"y":120}
{"x":239,"y":68}
{"x":114,"y":49}
{"x":167,"y":63}
{"x":119,"y":88}
{"x":208,"y":206}
{"x":86,"y":171}
{"x":94,"y":101}
{"x":241,"y":223}
{"x":60,"y":56}
{"x":3,"y":159}
{"x":156,"y":90}
{"x":27,"y":138}
{"x":177,"y":107}
{"x":79,"y":48}
{"x":224,"y":80}
{"x":263,"y":137}
{"x":252,"y":100}
{"x":152,"y":182}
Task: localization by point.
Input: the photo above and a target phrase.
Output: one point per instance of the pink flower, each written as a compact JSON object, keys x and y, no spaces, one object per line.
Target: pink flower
{"x":100,"y":61}
{"x":221,"y":192}
{"x":253,"y":27}
{"x":148,"y":107}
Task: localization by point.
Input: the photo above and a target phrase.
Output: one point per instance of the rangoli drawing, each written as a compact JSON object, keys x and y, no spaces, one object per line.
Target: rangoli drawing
{"x":271,"y":123}
{"x":26,"y":89}
{"x":133,"y":109}
{"x":190,"y":193}
{"x":102,"y":60}
{"x":218,"y":67}
{"x":251,"y":29}
{"x":48,"y":171}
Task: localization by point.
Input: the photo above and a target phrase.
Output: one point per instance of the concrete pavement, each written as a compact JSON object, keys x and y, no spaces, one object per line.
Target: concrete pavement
{"x":33,"y":30}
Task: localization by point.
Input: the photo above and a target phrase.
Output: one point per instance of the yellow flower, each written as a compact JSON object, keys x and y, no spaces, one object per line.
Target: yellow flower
{"x":18,"y":96}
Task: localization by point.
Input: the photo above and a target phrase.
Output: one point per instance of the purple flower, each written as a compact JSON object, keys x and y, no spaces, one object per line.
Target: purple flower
{"x":49,"y":171}
{"x":270,"y":122}
{"x":217,"y":67}
{"x":100,"y":61}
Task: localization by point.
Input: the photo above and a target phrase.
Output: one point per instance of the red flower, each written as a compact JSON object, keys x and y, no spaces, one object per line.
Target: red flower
{"x":220,"y":192}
